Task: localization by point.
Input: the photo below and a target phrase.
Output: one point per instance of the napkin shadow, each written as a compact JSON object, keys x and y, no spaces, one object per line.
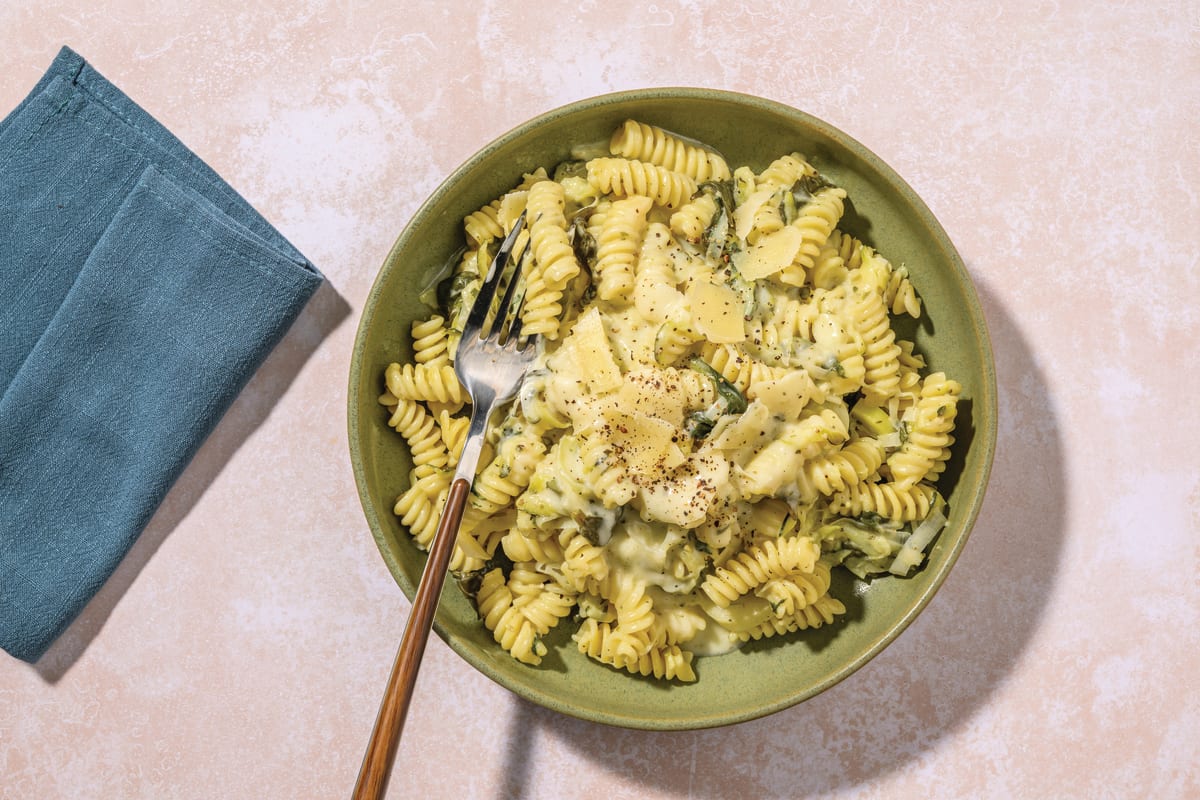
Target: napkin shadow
{"x":932,"y":681}
{"x":323,"y":313}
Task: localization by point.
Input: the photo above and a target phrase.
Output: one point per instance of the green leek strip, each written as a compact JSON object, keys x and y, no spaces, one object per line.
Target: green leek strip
{"x":735,"y":401}
{"x":873,"y":418}
{"x":913,"y":552}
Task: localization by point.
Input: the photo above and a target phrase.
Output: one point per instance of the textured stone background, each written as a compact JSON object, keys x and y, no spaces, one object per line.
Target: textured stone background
{"x":240,"y":650}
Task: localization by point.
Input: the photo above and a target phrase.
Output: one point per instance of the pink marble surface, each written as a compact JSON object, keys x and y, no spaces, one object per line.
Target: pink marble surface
{"x":240,"y":651}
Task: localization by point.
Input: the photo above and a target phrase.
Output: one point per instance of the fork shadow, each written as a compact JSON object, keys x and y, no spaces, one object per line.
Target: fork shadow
{"x":324,"y":312}
{"x":931,"y":681}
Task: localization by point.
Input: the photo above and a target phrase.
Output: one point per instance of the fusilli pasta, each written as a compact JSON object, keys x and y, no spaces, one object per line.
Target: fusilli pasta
{"x":720,"y":415}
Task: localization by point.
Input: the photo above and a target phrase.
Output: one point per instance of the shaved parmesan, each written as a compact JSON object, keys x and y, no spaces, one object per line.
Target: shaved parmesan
{"x":593,"y":354}
{"x":769,"y":254}
{"x":684,"y":496}
{"x":787,"y":396}
{"x":643,"y":443}
{"x":716,"y":312}
{"x":743,"y":215}
{"x":511,"y":206}
{"x":651,"y":392}
{"x":745,"y":430}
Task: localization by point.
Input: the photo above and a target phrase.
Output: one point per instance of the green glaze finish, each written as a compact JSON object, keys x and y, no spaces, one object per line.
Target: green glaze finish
{"x":766,"y":676}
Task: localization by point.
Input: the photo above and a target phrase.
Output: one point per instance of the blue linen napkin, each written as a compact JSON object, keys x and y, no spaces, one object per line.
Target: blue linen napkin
{"x":138,"y":294}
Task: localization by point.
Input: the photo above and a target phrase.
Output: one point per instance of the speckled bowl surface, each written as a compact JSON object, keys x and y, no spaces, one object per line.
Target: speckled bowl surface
{"x":883,"y":211}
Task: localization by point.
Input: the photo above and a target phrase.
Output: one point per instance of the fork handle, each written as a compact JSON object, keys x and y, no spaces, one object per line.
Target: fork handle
{"x":381,"y":749}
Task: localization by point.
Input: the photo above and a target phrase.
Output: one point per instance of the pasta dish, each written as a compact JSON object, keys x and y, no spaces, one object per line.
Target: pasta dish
{"x":721,"y":412}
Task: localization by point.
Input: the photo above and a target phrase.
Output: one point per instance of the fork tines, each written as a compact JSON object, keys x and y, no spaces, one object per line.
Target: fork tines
{"x":487,"y":291}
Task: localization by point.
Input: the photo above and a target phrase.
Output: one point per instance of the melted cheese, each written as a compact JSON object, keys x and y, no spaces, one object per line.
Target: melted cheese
{"x":786,"y":397}
{"x":632,"y":337}
{"x":639,"y":551}
{"x":684,"y":496}
{"x":642,"y":442}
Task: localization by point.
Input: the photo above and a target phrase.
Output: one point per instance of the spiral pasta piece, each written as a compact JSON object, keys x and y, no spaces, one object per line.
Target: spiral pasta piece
{"x":668,"y":662}
{"x":431,"y":341}
{"x":655,"y":295}
{"x":730,"y":363}
{"x":838,"y":471}
{"x":881,"y":354}
{"x":504,"y":478}
{"x":795,"y":591}
{"x":424,"y":382}
{"x":900,"y":296}
{"x":554,"y":259}
{"x":849,"y":248}
{"x":454,"y":435}
{"x":829,"y":266}
{"x":785,"y":171}
{"x":420,"y":507}
{"x":635,"y":610}
{"x":815,"y":221}
{"x":584,"y":564}
{"x":896,"y":502}
{"x":777,"y":179}
{"x":538,"y":599}
{"x":548,"y":607}
{"x":541,"y":311}
{"x":678,"y":626}
{"x":911,"y":364}
{"x":673,"y":341}
{"x":813,"y":615}
{"x":511,"y":629}
{"x":641,"y":142}
{"x":493,"y":598}
{"x":744,"y":372}
{"x":421,"y":432}
{"x":521,"y":609}
{"x":929,"y":435}
{"x":618,"y":241}
{"x":693,"y":218}
{"x":526,"y":545}
{"x":483,"y":225}
{"x":516,"y":458}
{"x":794,"y":318}
{"x":623,"y":178}
{"x":606,"y":474}
{"x":634,"y":632}
{"x":849,"y":368}
{"x":771,"y":558}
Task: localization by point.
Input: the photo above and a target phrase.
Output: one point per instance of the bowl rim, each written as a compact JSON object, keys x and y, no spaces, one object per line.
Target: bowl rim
{"x":984,"y":398}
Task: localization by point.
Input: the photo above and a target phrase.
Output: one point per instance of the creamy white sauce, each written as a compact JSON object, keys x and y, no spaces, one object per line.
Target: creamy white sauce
{"x":639,"y":549}
{"x":713,"y":640}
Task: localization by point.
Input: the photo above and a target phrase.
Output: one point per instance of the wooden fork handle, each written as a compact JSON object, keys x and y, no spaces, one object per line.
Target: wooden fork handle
{"x":381,"y":749}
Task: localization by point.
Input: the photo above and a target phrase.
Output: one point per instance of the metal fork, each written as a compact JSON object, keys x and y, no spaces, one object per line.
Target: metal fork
{"x":490,"y":371}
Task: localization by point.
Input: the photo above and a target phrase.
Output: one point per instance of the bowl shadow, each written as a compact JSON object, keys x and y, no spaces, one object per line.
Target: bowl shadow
{"x":930,"y":682}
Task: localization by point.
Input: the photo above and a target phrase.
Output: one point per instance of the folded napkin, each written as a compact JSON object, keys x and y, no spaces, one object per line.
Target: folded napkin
{"x":138,"y":294}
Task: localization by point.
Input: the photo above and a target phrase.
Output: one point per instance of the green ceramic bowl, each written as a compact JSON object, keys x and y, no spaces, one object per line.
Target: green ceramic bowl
{"x":766,"y":676}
